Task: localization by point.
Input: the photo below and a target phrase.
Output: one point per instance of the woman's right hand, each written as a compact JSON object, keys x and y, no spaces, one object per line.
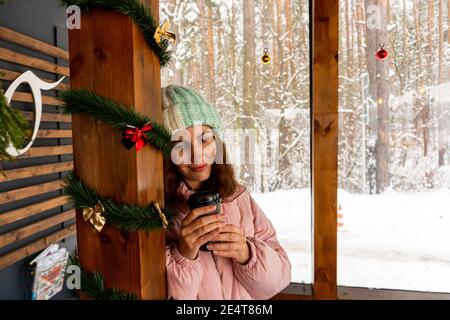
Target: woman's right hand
{"x":197,"y":230}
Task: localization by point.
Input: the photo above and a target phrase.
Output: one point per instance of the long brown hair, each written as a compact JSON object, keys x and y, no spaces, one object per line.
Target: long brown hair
{"x":221,"y":180}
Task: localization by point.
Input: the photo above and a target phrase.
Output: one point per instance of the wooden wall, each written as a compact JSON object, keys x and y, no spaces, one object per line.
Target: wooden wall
{"x":33,"y":213}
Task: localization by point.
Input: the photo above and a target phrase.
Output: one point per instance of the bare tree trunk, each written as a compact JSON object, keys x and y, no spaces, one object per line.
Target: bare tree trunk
{"x":211,"y":76}
{"x":405,"y":46}
{"x":418,"y":101}
{"x":249,"y":58}
{"x":348,"y":38}
{"x":405,"y":63}
{"x":179,"y":79}
{"x":416,"y":14}
{"x":280,"y":53}
{"x":285,"y":176}
{"x":264,"y":85}
{"x":426,"y":104}
{"x":195,"y":73}
{"x":379,"y":91}
{"x":275,"y":57}
{"x":248,"y":170}
{"x":430,"y":32}
{"x":205,"y":53}
{"x":360,"y":17}
{"x":290,"y":44}
{"x":233,"y":37}
{"x":441,"y":125}
{"x":222,"y":63}
{"x":232,"y":89}
{"x":303,"y":43}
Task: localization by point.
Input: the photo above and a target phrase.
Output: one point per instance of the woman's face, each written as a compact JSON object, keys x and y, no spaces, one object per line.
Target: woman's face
{"x":194,"y":154}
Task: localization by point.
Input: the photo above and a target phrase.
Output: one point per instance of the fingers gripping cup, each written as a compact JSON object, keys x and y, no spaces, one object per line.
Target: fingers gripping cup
{"x":203,"y":199}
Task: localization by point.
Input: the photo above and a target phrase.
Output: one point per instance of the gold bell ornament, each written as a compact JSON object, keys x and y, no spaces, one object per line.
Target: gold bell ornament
{"x":265,"y":58}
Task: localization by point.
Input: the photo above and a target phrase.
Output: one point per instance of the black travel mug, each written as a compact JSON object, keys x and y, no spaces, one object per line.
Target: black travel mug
{"x":203,"y":199}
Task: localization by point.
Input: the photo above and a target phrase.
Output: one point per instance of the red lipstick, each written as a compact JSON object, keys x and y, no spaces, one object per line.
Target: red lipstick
{"x":199,"y":168}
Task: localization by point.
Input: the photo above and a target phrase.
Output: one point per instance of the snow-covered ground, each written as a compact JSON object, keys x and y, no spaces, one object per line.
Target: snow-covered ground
{"x":392,"y":240}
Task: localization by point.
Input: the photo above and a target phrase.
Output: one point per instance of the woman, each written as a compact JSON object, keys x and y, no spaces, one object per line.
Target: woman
{"x":245,"y":259}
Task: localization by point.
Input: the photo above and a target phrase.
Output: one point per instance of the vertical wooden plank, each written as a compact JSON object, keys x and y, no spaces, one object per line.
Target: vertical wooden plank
{"x":325,"y":35}
{"x":127,"y":71}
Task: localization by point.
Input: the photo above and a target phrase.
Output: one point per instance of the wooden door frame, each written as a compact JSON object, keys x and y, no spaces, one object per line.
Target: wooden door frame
{"x":324,"y":37}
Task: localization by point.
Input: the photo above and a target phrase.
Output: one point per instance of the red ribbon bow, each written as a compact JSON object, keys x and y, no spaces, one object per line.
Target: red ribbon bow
{"x":136,"y":136}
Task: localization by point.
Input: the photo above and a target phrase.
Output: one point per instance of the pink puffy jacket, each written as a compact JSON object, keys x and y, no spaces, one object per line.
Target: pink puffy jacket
{"x":211,"y":277}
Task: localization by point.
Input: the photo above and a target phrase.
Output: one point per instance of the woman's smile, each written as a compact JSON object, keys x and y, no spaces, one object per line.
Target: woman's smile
{"x":198,"y":168}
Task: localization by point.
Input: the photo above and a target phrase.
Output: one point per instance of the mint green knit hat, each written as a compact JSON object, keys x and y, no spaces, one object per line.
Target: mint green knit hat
{"x":183,"y":108}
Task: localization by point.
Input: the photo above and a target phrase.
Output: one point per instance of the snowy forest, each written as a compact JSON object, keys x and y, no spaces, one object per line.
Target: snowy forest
{"x":394,"y":113}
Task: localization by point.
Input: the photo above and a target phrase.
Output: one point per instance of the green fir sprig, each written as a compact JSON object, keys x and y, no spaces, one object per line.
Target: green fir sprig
{"x":137,"y":11}
{"x":125,"y":217}
{"x":115,"y":114}
{"x":92,"y":284}
{"x":14,"y":128}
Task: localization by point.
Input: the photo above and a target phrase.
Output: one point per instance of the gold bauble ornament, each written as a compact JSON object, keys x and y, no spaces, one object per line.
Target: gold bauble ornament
{"x":265,"y":58}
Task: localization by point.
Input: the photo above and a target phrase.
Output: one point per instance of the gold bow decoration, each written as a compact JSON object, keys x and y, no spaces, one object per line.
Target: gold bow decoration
{"x":162,"y":216}
{"x":95,"y":216}
{"x":162,"y":32}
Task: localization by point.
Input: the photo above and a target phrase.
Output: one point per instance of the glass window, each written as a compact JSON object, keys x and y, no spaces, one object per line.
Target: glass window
{"x":265,"y":105}
{"x":394,"y":170}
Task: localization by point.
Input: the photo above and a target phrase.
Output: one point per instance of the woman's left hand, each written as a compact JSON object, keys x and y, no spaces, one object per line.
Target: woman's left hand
{"x":234,"y":244}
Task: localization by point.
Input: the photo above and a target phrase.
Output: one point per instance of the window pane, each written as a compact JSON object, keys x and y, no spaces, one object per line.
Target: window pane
{"x":219,"y":51}
{"x":394,"y":172}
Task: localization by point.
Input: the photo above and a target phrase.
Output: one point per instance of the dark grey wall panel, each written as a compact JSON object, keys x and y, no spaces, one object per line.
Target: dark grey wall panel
{"x":43,"y":20}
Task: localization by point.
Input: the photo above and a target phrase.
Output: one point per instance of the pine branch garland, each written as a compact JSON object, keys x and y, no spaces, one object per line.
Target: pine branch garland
{"x":92,"y":285}
{"x":125,"y":217}
{"x":115,"y":114}
{"x":134,"y":9}
{"x":15,"y":128}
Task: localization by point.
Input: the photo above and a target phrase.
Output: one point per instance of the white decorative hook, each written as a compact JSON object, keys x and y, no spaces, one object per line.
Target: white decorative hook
{"x":36,"y":86}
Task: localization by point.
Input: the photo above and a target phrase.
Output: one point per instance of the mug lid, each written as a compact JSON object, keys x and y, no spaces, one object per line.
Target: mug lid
{"x":204,"y":197}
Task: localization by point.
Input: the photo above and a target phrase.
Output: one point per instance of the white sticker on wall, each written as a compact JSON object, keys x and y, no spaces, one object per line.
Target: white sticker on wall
{"x":36,"y":86}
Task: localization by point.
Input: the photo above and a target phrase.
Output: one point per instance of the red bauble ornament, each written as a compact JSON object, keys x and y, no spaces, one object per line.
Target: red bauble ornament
{"x":381,"y":53}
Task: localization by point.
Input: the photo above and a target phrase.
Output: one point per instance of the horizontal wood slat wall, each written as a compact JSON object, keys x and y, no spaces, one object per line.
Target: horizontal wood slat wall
{"x":47,"y":151}
{"x":49,"y":117}
{"x":28,"y":172}
{"x":51,"y":159}
{"x":18,"y":58}
{"x":28,"y":97}
{"x":29,"y":42}
{"x":11,"y":75}
{"x":54,"y":134}
{"x":31,"y":210}
{"x":26,"y":192}
{"x":17,"y":255}
{"x":29,"y":230}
